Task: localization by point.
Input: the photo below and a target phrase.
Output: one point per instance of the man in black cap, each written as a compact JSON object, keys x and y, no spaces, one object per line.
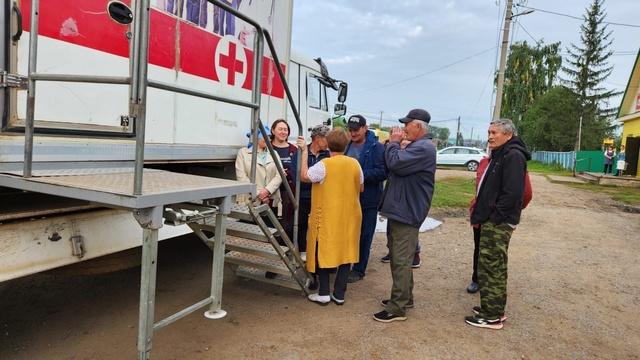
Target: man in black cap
{"x":368,"y":151}
{"x":405,"y":203}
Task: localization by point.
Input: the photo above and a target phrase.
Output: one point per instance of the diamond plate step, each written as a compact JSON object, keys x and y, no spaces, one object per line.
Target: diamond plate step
{"x":258,"y":275}
{"x":246,"y":230}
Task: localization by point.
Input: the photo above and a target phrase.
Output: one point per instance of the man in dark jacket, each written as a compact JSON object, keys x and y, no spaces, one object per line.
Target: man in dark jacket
{"x":497,"y":210}
{"x":405,"y":203}
{"x":368,"y":151}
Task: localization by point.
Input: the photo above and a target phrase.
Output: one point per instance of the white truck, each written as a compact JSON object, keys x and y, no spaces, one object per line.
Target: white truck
{"x":83,"y":126}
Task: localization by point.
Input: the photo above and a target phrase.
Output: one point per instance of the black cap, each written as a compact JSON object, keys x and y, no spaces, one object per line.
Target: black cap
{"x":356,"y":122}
{"x":416,"y":114}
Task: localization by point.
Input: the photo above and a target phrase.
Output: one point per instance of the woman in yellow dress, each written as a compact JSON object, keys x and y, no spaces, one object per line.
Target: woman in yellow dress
{"x":334,"y":222}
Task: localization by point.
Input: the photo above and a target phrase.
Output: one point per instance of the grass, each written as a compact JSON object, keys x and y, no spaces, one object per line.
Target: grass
{"x":629,"y":195}
{"x":453,"y":192}
{"x":457,"y":192}
{"x":553,"y":169}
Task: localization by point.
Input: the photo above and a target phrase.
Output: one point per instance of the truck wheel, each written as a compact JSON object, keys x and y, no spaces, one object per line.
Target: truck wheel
{"x":472,"y":166}
{"x":104,"y":264}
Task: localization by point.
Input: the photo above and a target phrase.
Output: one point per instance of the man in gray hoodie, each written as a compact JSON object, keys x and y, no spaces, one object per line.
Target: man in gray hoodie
{"x":405,"y":203}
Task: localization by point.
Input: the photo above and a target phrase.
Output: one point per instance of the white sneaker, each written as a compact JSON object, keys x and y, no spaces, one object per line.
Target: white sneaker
{"x":303,"y":255}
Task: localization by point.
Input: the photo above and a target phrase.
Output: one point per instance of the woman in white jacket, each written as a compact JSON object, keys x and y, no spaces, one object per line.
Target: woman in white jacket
{"x":268,"y":179}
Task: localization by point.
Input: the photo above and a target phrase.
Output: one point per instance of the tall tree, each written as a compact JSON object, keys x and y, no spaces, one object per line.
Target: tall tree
{"x":529,"y":73}
{"x":588,"y":69}
{"x":547,"y":120}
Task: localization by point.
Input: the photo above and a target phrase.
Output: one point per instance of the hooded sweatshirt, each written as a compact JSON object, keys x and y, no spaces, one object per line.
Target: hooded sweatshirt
{"x":501,"y":192}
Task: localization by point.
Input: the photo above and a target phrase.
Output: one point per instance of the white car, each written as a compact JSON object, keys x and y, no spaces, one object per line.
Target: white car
{"x":460,"y":156}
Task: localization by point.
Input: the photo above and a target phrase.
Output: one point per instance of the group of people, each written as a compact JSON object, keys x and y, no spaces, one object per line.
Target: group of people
{"x":341,"y":193}
{"x":609,"y":157}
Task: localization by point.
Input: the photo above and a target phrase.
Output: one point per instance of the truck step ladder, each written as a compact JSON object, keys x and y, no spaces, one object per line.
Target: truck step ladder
{"x":252,"y":248}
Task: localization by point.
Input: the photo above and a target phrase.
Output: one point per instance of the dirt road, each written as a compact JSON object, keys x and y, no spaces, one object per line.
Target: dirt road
{"x":573,"y":294}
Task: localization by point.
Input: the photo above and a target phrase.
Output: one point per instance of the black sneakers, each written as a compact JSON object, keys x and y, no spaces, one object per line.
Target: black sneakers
{"x":387,"y":317}
{"x":476,"y":320}
{"x":337,"y":301}
{"x":414,"y":264}
{"x":476,"y":310}
{"x":409,"y":304}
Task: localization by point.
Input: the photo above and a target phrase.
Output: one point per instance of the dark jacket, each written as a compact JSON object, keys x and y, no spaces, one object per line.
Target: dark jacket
{"x":502,"y":189}
{"x":305,"y":188}
{"x":373,"y":169}
{"x":409,"y":190}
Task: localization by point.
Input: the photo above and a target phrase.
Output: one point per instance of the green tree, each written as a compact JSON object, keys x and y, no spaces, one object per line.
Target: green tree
{"x":530,"y":72}
{"x":441,"y":133}
{"x":550,"y":125}
{"x":588,"y":69}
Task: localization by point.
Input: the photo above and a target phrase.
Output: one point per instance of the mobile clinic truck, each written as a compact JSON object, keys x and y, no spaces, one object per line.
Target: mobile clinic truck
{"x":81,"y":126}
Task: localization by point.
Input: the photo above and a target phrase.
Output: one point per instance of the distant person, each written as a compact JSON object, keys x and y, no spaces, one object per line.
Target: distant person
{"x":280,"y":132}
{"x":528,"y":194}
{"x":368,"y":151}
{"x":334,"y":222}
{"x":317,"y":150}
{"x":609,"y":154}
{"x":405,"y":203}
{"x":497,"y":210}
{"x":622,"y":157}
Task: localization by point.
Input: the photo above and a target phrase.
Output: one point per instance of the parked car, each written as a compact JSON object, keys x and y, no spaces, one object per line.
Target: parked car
{"x":461,"y":156}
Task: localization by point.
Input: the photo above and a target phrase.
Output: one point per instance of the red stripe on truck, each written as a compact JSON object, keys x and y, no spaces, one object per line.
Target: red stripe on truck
{"x":87,"y":24}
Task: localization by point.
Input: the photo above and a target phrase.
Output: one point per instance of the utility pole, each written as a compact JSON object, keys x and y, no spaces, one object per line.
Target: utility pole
{"x":503,"y":61}
{"x":380,"y":128}
{"x":471,"y":137}
{"x":458,"y":132}
{"x":503,"y":56}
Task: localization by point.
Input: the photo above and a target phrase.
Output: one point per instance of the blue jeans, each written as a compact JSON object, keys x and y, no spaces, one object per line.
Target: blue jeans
{"x":367,"y":229}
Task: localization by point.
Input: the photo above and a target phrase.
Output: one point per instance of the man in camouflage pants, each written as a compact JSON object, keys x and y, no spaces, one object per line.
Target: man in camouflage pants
{"x":497,"y":210}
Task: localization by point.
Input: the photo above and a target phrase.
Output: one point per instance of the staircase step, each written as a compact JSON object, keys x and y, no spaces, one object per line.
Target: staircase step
{"x":240,"y":211}
{"x":588,"y":178}
{"x":257,"y":262}
{"x":252,"y":247}
{"x":248,"y":231}
{"x":258,"y":275}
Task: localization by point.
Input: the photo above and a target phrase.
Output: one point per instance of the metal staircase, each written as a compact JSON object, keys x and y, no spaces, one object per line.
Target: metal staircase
{"x":253,"y":249}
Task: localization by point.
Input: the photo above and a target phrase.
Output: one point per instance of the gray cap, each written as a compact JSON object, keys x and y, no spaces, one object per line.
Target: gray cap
{"x":321,"y":130}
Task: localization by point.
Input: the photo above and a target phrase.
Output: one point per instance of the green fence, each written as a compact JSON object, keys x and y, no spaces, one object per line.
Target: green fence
{"x":591,"y":161}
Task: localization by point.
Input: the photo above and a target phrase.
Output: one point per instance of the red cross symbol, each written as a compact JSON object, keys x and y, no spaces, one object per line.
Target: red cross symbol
{"x":232,"y":64}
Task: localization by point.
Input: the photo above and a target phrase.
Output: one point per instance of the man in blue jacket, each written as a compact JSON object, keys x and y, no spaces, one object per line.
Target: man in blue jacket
{"x":405,"y":203}
{"x":365,"y":148}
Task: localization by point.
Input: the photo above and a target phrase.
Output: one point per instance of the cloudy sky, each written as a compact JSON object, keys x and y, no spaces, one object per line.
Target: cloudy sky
{"x":441,"y":55}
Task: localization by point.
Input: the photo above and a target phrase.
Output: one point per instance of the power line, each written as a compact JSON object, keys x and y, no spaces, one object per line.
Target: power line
{"x":427,"y":73}
{"x":579,"y":18}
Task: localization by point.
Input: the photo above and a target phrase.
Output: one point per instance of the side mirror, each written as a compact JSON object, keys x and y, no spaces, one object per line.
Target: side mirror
{"x":340,"y":109}
{"x":342,"y":93}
